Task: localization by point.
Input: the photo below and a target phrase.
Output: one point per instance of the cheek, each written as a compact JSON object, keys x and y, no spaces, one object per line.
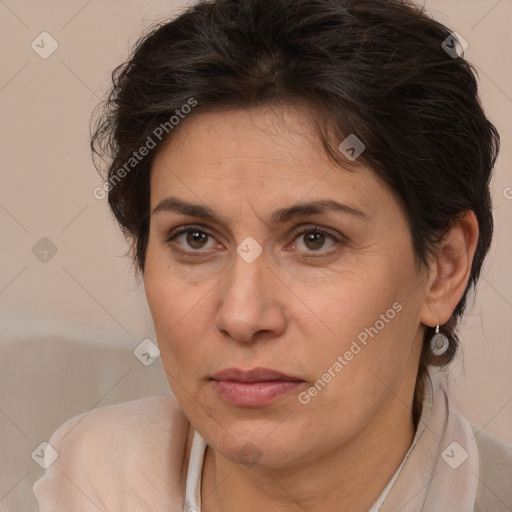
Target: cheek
{"x":372,"y":323}
{"x":182,"y":311}
{"x":349,"y":305}
{"x":177,"y":317}
{"x":167,"y":295}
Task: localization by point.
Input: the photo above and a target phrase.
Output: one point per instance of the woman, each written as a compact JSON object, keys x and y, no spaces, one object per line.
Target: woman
{"x":305,"y":188}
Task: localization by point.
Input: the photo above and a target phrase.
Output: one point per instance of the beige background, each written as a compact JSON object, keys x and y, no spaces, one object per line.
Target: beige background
{"x":68,"y":326}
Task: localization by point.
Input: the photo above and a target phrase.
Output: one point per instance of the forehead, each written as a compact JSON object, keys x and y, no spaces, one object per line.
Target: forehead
{"x":267,"y":150}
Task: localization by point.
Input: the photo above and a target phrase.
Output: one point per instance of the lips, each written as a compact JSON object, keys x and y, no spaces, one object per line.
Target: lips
{"x":254,"y":388}
{"x":253,"y":375}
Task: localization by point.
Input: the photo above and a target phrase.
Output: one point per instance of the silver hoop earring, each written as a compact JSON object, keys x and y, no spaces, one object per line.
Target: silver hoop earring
{"x":439,"y":343}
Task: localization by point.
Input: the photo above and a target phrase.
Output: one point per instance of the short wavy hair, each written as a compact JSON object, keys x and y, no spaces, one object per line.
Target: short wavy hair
{"x":379,"y":69}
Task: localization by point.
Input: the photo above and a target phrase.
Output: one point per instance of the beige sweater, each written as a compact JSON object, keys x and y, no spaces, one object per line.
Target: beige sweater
{"x":495,"y":480}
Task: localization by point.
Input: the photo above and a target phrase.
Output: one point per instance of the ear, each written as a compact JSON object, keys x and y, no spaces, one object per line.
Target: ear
{"x":450,"y":271}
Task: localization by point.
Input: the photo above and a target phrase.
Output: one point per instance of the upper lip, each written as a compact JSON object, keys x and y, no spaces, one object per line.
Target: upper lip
{"x":252,"y":375}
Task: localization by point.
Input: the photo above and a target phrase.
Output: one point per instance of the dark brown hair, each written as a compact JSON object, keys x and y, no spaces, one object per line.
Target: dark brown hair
{"x":378,"y":69}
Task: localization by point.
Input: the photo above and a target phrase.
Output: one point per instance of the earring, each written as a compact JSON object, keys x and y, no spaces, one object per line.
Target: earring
{"x":439,"y":343}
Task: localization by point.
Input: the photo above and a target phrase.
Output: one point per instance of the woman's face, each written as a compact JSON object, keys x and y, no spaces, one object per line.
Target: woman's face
{"x":330,"y":297}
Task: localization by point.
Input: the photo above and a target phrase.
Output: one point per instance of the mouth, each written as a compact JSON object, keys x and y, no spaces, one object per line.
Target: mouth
{"x":253,"y":388}
{"x":253,"y":375}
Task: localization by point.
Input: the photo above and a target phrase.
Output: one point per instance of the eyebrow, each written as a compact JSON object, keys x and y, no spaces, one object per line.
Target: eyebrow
{"x":173,"y":204}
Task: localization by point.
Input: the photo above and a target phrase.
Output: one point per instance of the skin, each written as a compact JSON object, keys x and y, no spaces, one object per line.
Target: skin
{"x":289,"y":313}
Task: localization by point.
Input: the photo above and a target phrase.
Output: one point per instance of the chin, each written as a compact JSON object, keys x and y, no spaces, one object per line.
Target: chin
{"x":255,"y":443}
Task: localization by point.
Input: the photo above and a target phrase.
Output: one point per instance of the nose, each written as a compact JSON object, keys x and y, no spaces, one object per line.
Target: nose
{"x":250,"y":305}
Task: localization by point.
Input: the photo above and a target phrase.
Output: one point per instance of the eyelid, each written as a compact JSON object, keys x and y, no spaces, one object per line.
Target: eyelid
{"x":185,"y":229}
{"x":305,"y":228}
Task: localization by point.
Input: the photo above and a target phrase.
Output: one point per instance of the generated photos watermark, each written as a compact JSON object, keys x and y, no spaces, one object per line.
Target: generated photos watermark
{"x":355,"y":348}
{"x":157,"y":135}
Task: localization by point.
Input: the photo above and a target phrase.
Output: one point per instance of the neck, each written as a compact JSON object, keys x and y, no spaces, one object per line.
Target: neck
{"x":349,"y":478}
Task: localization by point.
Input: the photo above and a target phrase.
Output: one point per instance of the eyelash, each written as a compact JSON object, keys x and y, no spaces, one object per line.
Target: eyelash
{"x":309,"y":229}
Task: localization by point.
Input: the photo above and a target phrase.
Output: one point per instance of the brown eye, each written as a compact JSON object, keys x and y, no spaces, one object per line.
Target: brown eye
{"x":192,"y":239}
{"x":314,"y":240}
{"x":196,"y":239}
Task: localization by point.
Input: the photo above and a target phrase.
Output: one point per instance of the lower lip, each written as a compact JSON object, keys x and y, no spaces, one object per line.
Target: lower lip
{"x":255,"y":394}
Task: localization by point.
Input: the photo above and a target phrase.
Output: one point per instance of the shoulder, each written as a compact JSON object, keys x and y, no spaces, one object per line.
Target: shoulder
{"x":495,"y":479}
{"x":129,"y":456}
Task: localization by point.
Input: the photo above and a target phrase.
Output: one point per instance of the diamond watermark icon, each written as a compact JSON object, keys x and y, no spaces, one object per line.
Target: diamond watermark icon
{"x":45,"y":455}
{"x":455,"y":45}
{"x":454,"y":455}
{"x":44,"y":45}
{"x":249,"y":249}
{"x":249,"y":455}
{"x":146,"y":352}
{"x":352,"y":147}
{"x":44,"y":250}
